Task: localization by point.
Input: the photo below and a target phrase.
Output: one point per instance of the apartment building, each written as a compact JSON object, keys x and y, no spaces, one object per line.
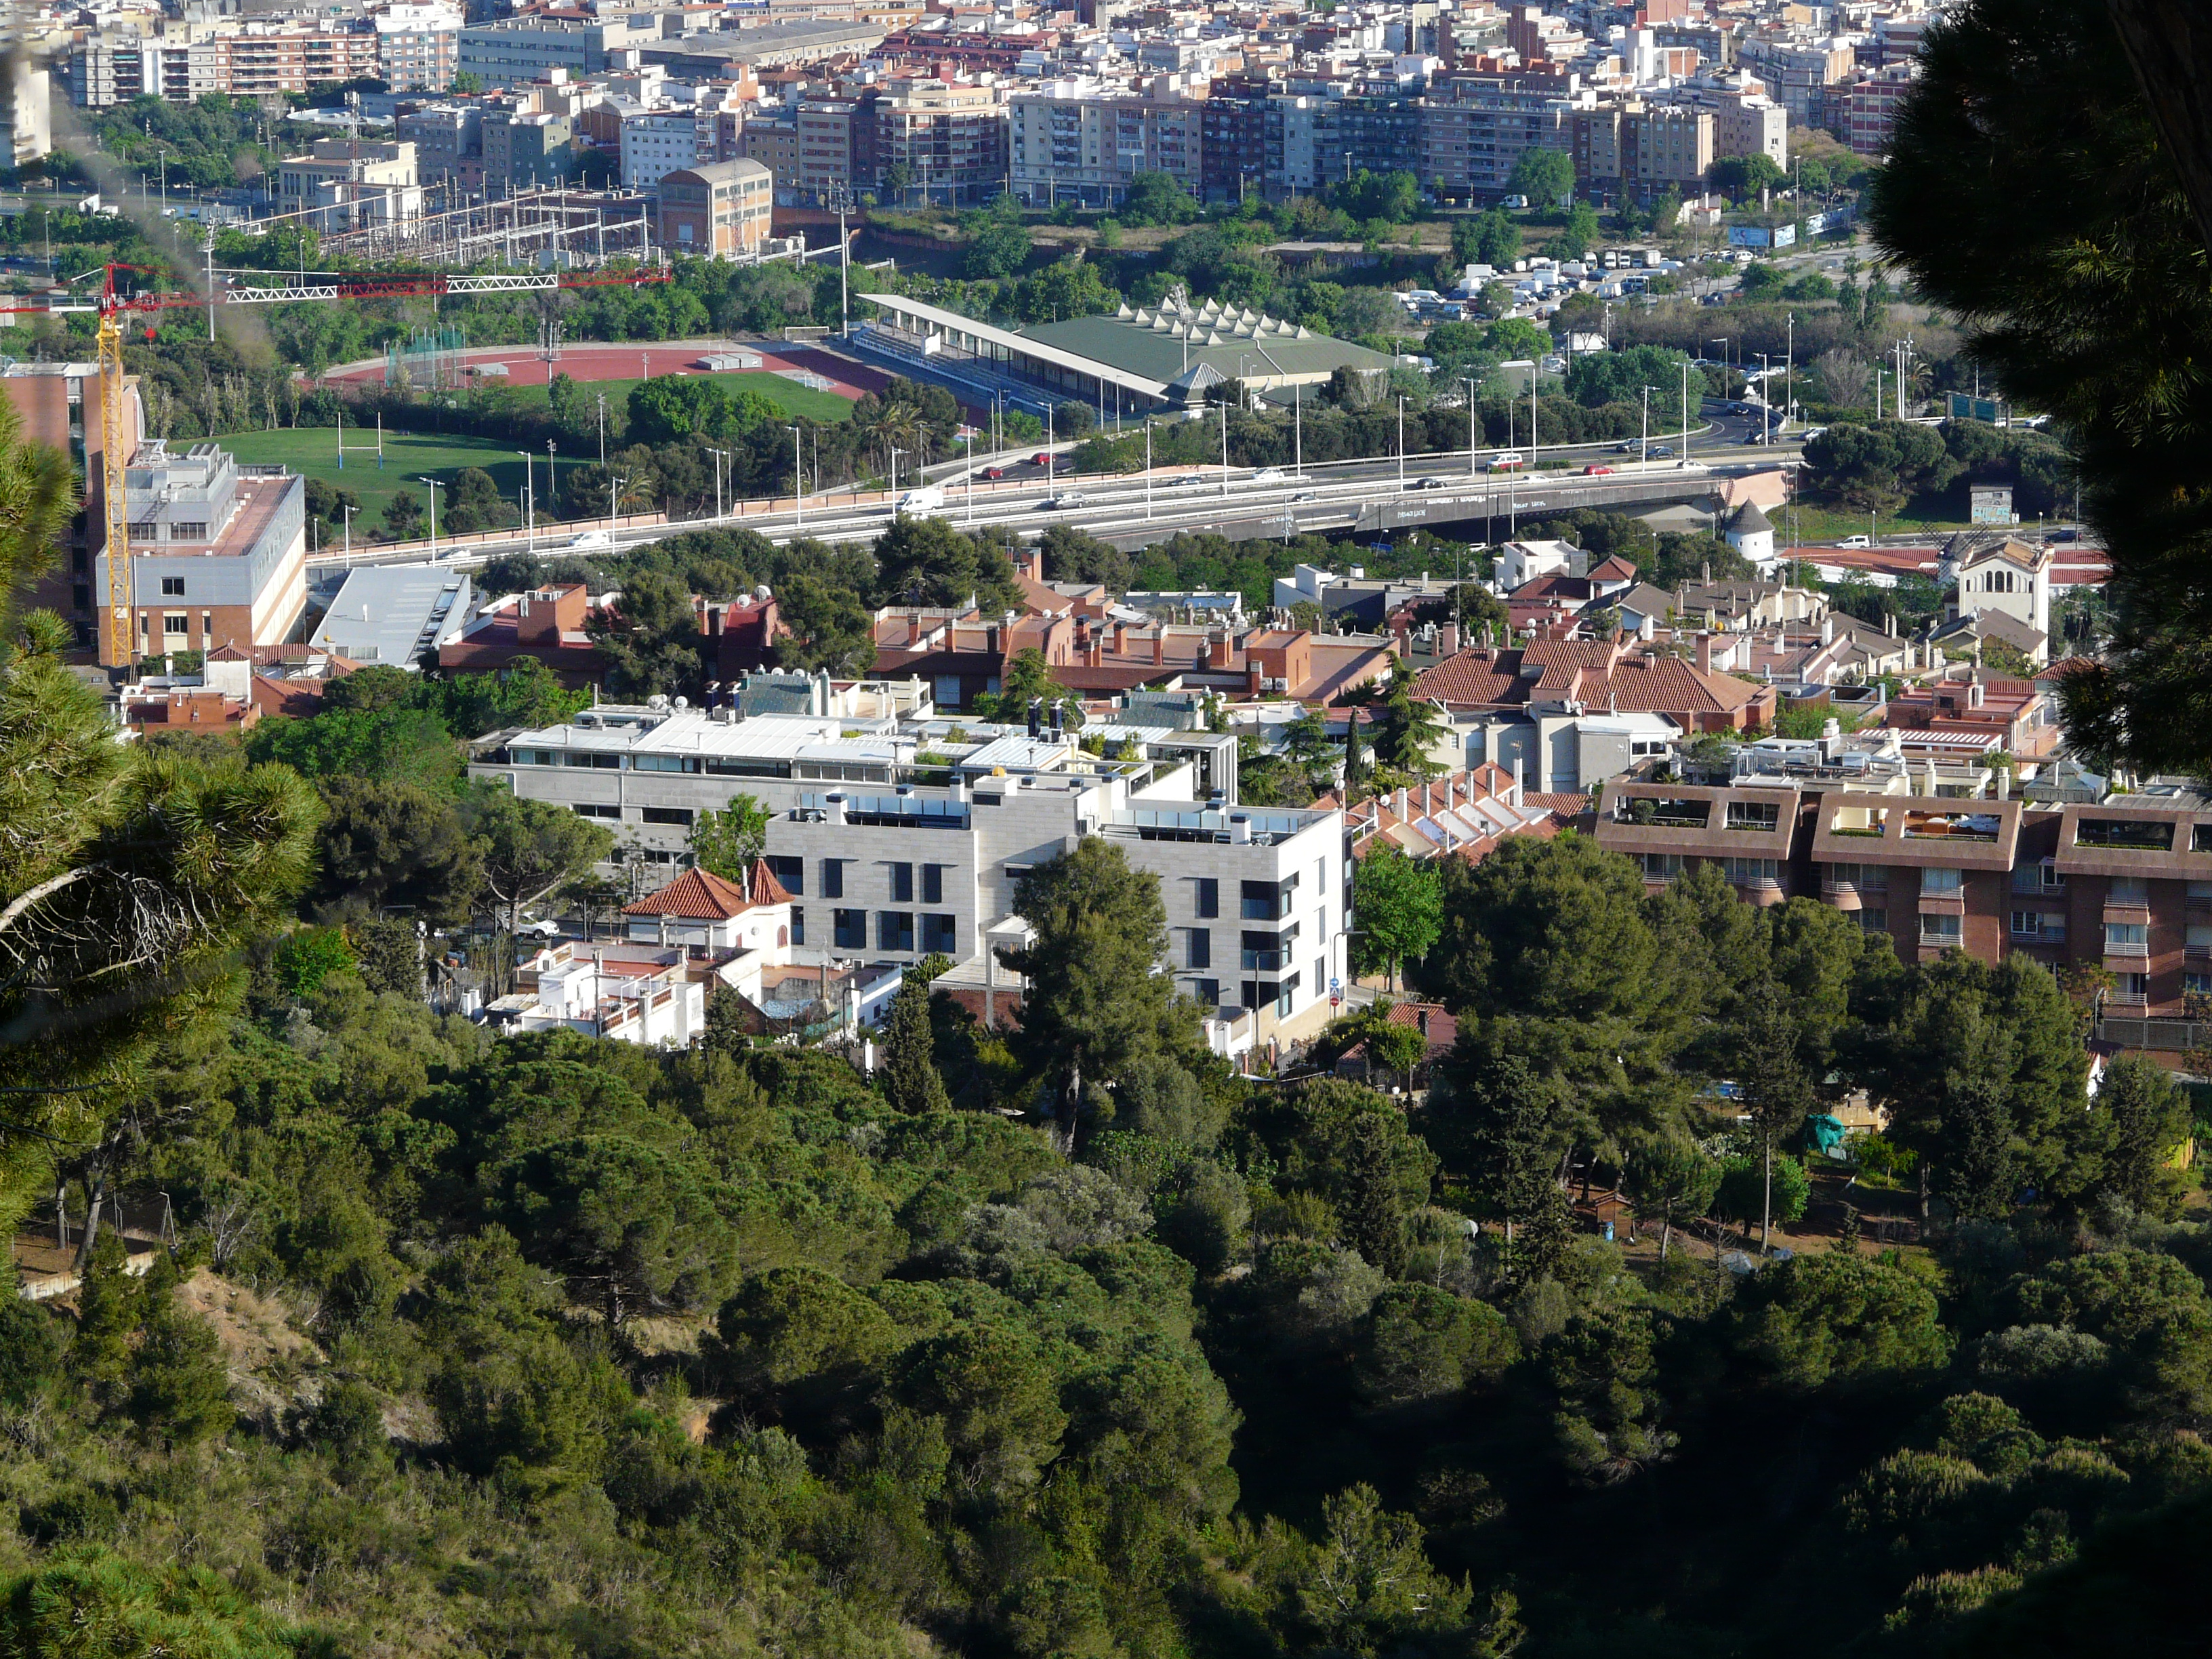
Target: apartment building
{"x":895,"y":840}
{"x":1798,"y":74}
{"x":655,"y":142}
{"x":512,"y":51}
{"x":218,"y":551}
{"x":418,"y":46}
{"x":2120,"y":885}
{"x":829,"y":155}
{"x":1471,"y":138}
{"x":1864,"y":113}
{"x":1643,"y":150}
{"x":526,"y":150}
{"x":1750,"y":124}
{"x":721,"y":210}
{"x":448,"y":140}
{"x":1078,"y":141}
{"x":27,"y":131}
{"x":951,"y":140}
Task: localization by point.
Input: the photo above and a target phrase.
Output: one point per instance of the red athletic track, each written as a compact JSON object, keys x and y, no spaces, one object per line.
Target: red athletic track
{"x":526,"y":366}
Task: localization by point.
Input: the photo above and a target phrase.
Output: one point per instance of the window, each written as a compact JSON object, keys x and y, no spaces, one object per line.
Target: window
{"x":902,"y":884}
{"x":2131,"y":988}
{"x":664,"y":762}
{"x":188,"y":530}
{"x":1874,"y":922}
{"x":2038,"y":925}
{"x":833,"y":879}
{"x":895,"y":930}
{"x":2200,"y":983}
{"x":1286,"y":994}
{"x":1207,"y":991}
{"x":2198,"y":940}
{"x":1942,"y":881}
{"x":2128,"y":890}
{"x":1209,"y":897}
{"x":173,"y":587}
{"x":1198,"y":948}
{"x":535,"y":758}
{"x":592,"y":761}
{"x":2126,"y":938}
{"x":176,"y":625}
{"x":1662,"y":866}
{"x":1751,"y":872}
{"x":933,"y":883}
{"x":940,"y":933}
{"x":591,"y":810}
{"x":1262,"y":901}
{"x":1941,"y":931}
{"x":1754,"y":814}
{"x":849,"y":929}
{"x":948,"y":691}
{"x":669,"y":815}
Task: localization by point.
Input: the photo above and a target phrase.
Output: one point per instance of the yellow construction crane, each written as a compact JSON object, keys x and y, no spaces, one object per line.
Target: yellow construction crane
{"x":117,"y":634}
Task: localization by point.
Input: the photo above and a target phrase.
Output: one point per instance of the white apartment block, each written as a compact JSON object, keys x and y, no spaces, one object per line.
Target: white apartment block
{"x":896,"y":841}
{"x":1074,"y":141}
{"x":418,"y":46}
{"x":657,"y":143}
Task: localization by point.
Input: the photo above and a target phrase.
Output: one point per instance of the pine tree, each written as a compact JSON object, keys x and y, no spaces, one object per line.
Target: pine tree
{"x":908,"y":1069}
{"x":1373,"y":1224}
{"x":110,"y":1306}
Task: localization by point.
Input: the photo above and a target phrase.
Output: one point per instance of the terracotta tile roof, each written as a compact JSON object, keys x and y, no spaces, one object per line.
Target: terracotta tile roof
{"x":703,"y":895}
{"x":1443,"y":1030}
{"x":1472,"y":675}
{"x":1615,"y":570}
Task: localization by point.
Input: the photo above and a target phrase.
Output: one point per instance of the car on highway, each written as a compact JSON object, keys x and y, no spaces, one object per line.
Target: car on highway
{"x":1269,"y":475}
{"x":1594,"y":470}
{"x":1812,"y":432}
{"x":1073,"y":499}
{"x":1627,"y":446}
{"x":2064,"y":535}
{"x":591,"y":539}
{"x":1856,"y":541}
{"x":1308,"y":495}
{"x":1508,"y":460}
{"x":1662,"y":449}
{"x":1750,"y":438}
{"x":1042,"y":458}
{"x":1426,"y":484}
{"x":995,"y":473}
{"x":1190,"y":478}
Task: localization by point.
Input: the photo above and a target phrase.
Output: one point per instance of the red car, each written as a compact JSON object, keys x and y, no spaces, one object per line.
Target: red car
{"x":997,"y":473}
{"x":1042,"y":458}
{"x":1596,"y":471}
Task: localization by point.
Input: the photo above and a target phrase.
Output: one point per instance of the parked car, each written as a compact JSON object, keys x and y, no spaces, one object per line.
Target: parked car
{"x":1596,"y":471}
{"x":1856,"y":541}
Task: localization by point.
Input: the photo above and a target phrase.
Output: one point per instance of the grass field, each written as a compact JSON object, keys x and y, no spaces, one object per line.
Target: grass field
{"x":314,"y":451}
{"x":793,"y":399}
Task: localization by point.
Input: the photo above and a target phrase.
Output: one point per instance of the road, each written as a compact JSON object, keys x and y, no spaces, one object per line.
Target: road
{"x":1131,"y":509}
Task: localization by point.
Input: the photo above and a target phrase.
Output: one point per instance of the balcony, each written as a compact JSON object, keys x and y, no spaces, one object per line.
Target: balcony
{"x":2125,"y":834}
{"x":1264,"y":961}
{"x":1951,"y":826}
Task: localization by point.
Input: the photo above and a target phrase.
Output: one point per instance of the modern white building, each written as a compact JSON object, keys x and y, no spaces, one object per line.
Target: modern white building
{"x":896,"y":839}
{"x":656,"y":142}
{"x":2013,"y":577}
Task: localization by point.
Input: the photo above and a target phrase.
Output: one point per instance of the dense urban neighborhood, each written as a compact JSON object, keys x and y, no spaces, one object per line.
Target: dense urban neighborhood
{"x":868,"y":828}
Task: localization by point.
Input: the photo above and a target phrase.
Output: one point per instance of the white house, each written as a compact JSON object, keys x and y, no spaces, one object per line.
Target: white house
{"x":1524,"y":562}
{"x":2009,"y":576}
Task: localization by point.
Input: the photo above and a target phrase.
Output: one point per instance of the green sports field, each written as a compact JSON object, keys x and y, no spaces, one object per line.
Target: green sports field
{"x":793,"y":399}
{"x":313,"y":451}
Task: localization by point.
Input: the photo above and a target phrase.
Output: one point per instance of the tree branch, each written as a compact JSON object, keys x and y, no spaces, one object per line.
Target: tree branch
{"x":44,"y":890}
{"x":2169,"y":43}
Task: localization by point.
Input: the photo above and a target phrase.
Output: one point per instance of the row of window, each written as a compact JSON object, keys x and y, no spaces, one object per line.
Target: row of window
{"x":895,"y":931}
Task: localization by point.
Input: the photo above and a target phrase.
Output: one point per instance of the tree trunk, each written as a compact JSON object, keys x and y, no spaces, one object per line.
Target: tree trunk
{"x":2169,"y":43}
{"x":1666,"y":1231}
{"x":96,"y":1182}
{"x":1766,"y":1203}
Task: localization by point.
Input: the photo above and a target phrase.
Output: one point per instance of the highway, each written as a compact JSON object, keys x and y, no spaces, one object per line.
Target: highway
{"x":1131,"y":509}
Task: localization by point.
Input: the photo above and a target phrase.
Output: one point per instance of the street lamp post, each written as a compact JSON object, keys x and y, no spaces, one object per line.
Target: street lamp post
{"x":614,"y":499}
{"x":1472,"y":472}
{"x":1686,"y":411}
{"x":529,"y":499}
{"x":799,"y":483}
{"x":349,"y":510}
{"x":1402,"y":443}
{"x":721,"y":456}
{"x":1225,"y":450}
{"x":552,"y":488}
{"x":1644,"y":454}
{"x":432,"y":483}
{"x":1148,"y":468}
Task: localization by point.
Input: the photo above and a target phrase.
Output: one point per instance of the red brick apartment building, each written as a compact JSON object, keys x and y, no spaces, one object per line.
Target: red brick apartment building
{"x":2126,"y":886}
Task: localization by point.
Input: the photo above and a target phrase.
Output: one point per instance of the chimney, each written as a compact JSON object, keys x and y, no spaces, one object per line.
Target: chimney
{"x":1160,"y":646}
{"x":1398,"y":805}
{"x":1889,"y":623}
{"x":1121,"y":638}
{"x":1251,"y":676}
{"x":1448,"y":640}
{"x":1827,"y":630}
{"x":1217,"y":645}
{"x":1705,"y":571}
{"x":2004,"y":783}
{"x":1706,"y":652}
{"x":1516,"y":779}
{"x":1094,"y":651}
